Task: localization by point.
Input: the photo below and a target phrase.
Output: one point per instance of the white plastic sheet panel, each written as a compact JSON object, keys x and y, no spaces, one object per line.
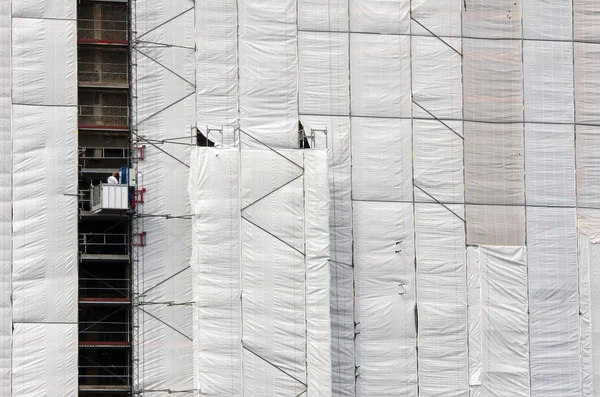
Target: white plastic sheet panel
{"x":323,"y":82}
{"x":587,"y":83}
{"x":337,"y":143}
{"x":214,"y":194}
{"x":492,"y":75}
{"x":323,"y":15}
{"x":216,"y":65}
{"x":553,"y":301}
{"x":494,"y":177}
{"x":380,"y":70}
{"x":268,"y":69}
{"x":503,"y":321}
{"x":549,"y":20}
{"x":44,"y":214}
{"x":381,"y":160}
{"x":165,"y":110}
{"x":283,"y":317}
{"x":5,"y":203}
{"x":44,"y":62}
{"x":548,"y":79}
{"x":498,"y":19}
{"x":385,"y":299}
{"x":51,"y":9}
{"x":474,"y":320}
{"x":588,"y":166}
{"x":273,"y":269}
{"x":586,"y":14}
{"x":442,"y":301}
{"x":380,"y":16}
{"x":442,"y":17}
{"x":436,"y":74}
{"x":44,"y":360}
{"x":494,"y":165}
{"x":589,"y":286}
{"x":318,"y":328}
{"x":550,"y":164}
{"x":438,"y":161}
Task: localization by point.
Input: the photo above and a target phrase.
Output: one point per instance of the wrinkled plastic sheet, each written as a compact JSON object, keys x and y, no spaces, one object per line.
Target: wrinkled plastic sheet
{"x":44,"y":62}
{"x":385,"y":299}
{"x":333,"y":134}
{"x":268,"y":69}
{"x":493,"y":19}
{"x":553,"y":301}
{"x":588,"y":166}
{"x":587,"y":83}
{"x":217,"y":68}
{"x":50,"y":9}
{"x":442,"y":17}
{"x":548,"y":79}
{"x":5,"y":203}
{"x":380,"y":16}
{"x":586,"y":18}
{"x":493,"y":80}
{"x":270,"y":212}
{"x":165,"y":111}
{"x":381,"y":161}
{"x":499,"y":345}
{"x":442,"y":301}
{"x":436,"y":75}
{"x":323,"y":81}
{"x":549,"y":20}
{"x":323,"y":16}
{"x":214,"y":193}
{"x":550,"y":164}
{"x":589,"y":286}
{"x":380,"y":69}
{"x":44,"y":214}
{"x":44,"y":360}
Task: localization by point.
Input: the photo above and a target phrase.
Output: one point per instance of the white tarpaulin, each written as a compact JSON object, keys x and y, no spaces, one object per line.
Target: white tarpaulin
{"x":499,"y":332}
{"x":216,"y":67}
{"x":44,"y":62}
{"x":268,"y":69}
{"x":589,"y":286}
{"x":5,"y":202}
{"x":44,"y":214}
{"x":165,"y":110}
{"x":553,"y":303}
{"x":385,"y":299}
{"x":441,"y":301}
{"x":283,"y":318}
{"x":44,"y":360}
{"x":380,"y":70}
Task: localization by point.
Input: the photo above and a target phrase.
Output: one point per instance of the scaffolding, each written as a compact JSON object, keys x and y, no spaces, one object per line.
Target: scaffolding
{"x":105,"y":239}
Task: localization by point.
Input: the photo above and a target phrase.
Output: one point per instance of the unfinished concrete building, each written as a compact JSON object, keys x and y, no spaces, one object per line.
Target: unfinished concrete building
{"x":322,"y":198}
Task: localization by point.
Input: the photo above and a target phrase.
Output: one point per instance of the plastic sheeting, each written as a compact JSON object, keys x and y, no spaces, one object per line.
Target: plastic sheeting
{"x":381,"y":161}
{"x":553,"y":301}
{"x":44,"y":61}
{"x":441,"y":301}
{"x":268,"y":69}
{"x":44,"y":360}
{"x":217,"y":68}
{"x":589,"y":285}
{"x":380,"y":70}
{"x":5,"y":202}
{"x":44,"y":214}
{"x":283,"y":277}
{"x":165,"y":110}
{"x":43,"y":163}
{"x":498,"y":320}
{"x":385,"y":299}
